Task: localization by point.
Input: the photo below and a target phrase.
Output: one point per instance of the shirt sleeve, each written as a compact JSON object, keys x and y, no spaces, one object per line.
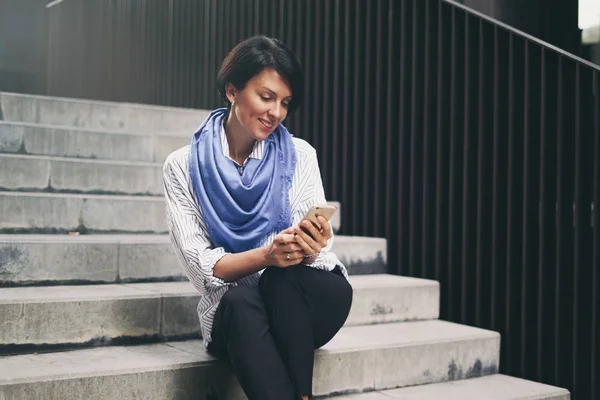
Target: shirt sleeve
{"x":313,"y":194}
{"x":187,"y":231}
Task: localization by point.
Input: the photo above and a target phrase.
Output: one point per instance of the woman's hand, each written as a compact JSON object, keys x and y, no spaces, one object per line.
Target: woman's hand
{"x":312,"y":239}
{"x":284,"y":251}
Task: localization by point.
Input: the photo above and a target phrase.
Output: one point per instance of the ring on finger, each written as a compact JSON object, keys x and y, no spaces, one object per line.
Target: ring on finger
{"x":287,"y":256}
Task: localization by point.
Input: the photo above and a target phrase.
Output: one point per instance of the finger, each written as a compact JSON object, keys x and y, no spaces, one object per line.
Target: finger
{"x":326,"y":227}
{"x":320,"y":239}
{"x":284,"y":238}
{"x":305,"y":247}
{"x":311,"y":228}
{"x":288,"y":231}
{"x":291,"y":247}
{"x":306,"y":242}
{"x":297,"y":256}
{"x":288,"y":259}
{"x":316,"y":235}
{"x":316,"y":223}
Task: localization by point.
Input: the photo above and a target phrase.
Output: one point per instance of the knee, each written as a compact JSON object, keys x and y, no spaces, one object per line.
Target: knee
{"x":347,"y":292}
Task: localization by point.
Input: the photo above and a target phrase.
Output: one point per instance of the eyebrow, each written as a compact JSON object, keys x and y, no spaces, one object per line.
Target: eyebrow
{"x":272,"y":92}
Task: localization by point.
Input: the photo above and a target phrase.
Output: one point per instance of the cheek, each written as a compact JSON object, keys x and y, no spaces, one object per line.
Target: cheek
{"x":248,"y":117}
{"x":257,"y":107}
{"x":244,"y":115}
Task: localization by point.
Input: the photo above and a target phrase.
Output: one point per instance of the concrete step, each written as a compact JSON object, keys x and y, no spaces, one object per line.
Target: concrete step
{"x":99,"y":115}
{"x":56,"y":174}
{"x":492,"y":387}
{"x":359,"y":358}
{"x":46,"y":140}
{"x":86,"y":213}
{"x":166,"y":310}
{"x":60,"y":259}
{"x":56,"y":213}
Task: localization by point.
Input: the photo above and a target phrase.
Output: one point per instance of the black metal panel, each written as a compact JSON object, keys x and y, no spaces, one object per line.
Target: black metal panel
{"x":473,"y":148}
{"x":442,"y":117}
{"x":594,"y":310}
{"x":428,"y":162}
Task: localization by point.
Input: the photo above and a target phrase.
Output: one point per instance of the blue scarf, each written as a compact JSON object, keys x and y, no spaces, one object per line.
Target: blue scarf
{"x":240,"y":211}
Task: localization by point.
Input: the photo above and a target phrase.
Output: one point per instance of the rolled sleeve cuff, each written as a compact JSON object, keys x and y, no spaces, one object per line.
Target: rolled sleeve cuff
{"x":322,"y":261}
{"x":208,"y":260}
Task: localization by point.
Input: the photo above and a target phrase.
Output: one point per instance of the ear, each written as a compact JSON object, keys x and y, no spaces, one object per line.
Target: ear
{"x":230,"y":92}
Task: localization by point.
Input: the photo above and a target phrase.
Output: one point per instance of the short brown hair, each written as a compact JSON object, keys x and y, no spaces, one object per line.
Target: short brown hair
{"x":250,"y":57}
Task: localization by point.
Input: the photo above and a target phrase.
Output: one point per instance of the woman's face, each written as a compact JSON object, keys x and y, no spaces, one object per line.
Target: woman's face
{"x":262,"y":104}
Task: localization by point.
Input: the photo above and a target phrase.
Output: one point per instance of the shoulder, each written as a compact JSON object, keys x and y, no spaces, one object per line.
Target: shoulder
{"x":177,"y":160}
{"x":304,"y":149}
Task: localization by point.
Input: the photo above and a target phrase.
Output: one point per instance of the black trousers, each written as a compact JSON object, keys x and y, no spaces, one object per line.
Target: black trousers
{"x":268,"y":334}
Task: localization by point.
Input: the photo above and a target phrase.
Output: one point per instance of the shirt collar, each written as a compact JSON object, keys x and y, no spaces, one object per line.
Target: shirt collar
{"x":257,"y":150}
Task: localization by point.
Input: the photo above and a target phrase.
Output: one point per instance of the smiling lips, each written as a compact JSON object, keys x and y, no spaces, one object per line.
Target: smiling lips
{"x":266,"y":124}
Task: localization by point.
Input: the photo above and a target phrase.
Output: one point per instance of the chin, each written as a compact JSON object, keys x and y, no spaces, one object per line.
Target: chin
{"x":260,"y":136}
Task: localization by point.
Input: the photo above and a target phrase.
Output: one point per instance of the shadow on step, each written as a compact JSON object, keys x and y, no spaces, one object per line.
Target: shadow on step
{"x":17,"y":349}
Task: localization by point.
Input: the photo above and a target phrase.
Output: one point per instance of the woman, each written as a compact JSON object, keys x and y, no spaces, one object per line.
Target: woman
{"x":272,"y":292}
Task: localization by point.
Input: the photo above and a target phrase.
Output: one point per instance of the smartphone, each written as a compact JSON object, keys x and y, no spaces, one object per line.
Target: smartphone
{"x":326,"y":210}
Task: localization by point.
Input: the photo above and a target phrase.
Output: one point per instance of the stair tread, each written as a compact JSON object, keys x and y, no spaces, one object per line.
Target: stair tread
{"x":114,"y":163}
{"x":58,"y":258}
{"x":117,"y":360}
{"x":492,"y":387}
{"x":97,"y":130}
{"x":126,"y":238}
{"x":99,"y":115}
{"x":168,"y":289}
{"x":82,"y":196}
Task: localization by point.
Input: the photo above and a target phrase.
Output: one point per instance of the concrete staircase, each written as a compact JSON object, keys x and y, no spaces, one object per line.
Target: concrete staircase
{"x":93,"y":304}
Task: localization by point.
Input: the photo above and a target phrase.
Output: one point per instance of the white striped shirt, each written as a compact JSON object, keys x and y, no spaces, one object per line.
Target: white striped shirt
{"x":190,"y":237}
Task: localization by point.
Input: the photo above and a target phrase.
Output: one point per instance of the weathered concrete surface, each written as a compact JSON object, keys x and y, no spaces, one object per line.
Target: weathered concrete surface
{"x":366,"y":255}
{"x":384,"y":298}
{"x":79,"y":314}
{"x":158,"y":371}
{"x":53,"y":174}
{"x":385,"y":356}
{"x":39,"y":315}
{"x":112,"y":258}
{"x":35,"y":139}
{"x":42,"y":212}
{"x":93,"y":258}
{"x":357,"y":359}
{"x":493,"y":387}
{"x":64,"y":212}
{"x":98,"y":115}
{"x":148,"y":257}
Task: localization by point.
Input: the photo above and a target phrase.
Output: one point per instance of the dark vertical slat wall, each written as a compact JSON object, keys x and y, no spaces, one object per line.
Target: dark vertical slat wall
{"x":594,"y":311}
{"x":473,"y":149}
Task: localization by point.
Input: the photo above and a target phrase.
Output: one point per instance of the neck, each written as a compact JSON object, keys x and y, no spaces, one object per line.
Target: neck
{"x":240,"y":143}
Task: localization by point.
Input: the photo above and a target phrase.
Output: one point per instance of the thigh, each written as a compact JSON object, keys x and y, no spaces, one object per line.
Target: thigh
{"x":241,"y":336}
{"x":241,"y":308}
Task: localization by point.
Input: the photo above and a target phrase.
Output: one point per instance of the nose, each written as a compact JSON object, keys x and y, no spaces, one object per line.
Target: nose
{"x":276,"y":112}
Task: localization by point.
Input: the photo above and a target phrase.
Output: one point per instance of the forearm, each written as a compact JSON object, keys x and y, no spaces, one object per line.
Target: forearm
{"x":238,"y":265}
